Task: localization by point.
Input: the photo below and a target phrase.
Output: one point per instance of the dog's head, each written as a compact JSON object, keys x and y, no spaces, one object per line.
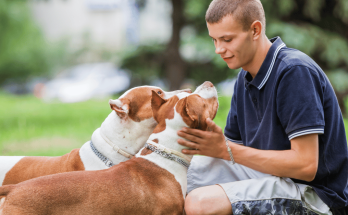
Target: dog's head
{"x":189,"y":110}
{"x":135,"y":104}
{"x":131,"y":122}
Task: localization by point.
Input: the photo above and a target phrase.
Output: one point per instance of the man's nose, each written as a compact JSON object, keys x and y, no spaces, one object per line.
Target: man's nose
{"x":219,"y":49}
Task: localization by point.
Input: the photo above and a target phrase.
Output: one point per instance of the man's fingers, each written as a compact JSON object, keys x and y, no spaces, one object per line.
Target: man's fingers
{"x":189,"y":137}
{"x":189,"y":152}
{"x":187,"y":143}
{"x":195,"y":132}
{"x":213,"y":127}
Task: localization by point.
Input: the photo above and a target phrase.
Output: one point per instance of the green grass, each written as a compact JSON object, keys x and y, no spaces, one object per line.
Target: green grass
{"x":29,"y":126}
{"x":224,"y":108}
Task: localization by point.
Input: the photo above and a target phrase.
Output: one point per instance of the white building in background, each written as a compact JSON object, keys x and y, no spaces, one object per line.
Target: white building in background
{"x":113,"y":24}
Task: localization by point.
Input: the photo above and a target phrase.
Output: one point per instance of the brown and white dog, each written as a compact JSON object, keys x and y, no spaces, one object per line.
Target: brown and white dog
{"x":153,"y":182}
{"x":122,"y":134}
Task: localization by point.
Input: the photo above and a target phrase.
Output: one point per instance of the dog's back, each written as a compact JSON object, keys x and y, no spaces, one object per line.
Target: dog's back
{"x":32,"y":167}
{"x":136,"y":186}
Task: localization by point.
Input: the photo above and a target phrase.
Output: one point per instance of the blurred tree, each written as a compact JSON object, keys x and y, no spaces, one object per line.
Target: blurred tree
{"x":175,"y":66}
{"x":188,"y":54}
{"x":24,"y":52}
{"x":318,"y":28}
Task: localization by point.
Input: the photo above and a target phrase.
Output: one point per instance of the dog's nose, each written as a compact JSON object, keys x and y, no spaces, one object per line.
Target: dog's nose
{"x":187,"y":90}
{"x":208,"y":84}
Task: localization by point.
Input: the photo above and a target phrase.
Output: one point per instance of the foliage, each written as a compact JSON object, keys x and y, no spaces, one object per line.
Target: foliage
{"x":196,"y":48}
{"x":146,"y":62}
{"x":318,"y":28}
{"x":24,"y":52}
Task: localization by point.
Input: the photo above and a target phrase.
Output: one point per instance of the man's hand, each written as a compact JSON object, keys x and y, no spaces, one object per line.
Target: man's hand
{"x":210,"y":143}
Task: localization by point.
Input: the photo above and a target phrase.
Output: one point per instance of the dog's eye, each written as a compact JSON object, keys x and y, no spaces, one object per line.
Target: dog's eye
{"x":159,"y":92}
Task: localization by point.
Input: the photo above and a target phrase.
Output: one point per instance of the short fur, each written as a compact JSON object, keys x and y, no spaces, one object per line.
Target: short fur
{"x":137,"y":186}
{"x":128,"y":126}
{"x":32,"y":167}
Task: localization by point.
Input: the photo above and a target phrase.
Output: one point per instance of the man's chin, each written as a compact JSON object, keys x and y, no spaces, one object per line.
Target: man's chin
{"x":233,"y":66}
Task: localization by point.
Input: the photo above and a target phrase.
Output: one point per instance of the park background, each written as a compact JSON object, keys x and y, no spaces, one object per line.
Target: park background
{"x":153,"y":42}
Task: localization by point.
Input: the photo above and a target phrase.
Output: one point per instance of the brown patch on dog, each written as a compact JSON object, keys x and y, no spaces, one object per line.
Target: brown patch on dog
{"x":140,"y":102}
{"x":194,"y":111}
{"x":162,"y":109}
{"x":142,"y":188}
{"x":32,"y":167}
{"x":147,"y":151}
{"x":213,"y":107}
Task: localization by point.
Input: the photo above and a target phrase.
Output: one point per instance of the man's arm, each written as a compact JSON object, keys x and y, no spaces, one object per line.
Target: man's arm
{"x":299,"y":162}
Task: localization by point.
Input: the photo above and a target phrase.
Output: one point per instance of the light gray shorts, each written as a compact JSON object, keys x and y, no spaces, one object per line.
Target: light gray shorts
{"x":253,"y":192}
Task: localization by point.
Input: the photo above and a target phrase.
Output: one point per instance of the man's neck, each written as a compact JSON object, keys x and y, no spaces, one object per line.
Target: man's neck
{"x":254,"y":66}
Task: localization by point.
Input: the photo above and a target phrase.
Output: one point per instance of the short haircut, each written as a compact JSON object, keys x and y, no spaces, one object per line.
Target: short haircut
{"x":244,"y":11}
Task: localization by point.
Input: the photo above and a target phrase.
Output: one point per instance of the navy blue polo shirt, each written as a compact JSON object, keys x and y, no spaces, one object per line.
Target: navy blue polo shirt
{"x":291,"y":96}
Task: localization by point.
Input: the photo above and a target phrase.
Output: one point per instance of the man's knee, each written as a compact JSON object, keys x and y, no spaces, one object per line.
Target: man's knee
{"x":194,"y":202}
{"x":207,"y":200}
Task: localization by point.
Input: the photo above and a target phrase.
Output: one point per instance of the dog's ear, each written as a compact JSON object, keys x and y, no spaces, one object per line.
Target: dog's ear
{"x":120,"y":106}
{"x":196,"y":110}
{"x":156,"y":102}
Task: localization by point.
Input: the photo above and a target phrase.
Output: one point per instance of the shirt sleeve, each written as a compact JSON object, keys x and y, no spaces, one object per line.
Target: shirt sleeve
{"x":300,"y":102}
{"x":232,"y":132}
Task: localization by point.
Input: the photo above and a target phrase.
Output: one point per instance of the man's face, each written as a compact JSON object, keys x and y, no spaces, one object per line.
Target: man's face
{"x":235,"y":46}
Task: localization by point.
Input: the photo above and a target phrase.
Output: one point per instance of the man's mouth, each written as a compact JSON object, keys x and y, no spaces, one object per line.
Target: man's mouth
{"x":227,"y":58}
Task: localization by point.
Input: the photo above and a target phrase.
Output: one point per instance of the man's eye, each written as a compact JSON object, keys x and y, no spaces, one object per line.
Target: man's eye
{"x":159,"y":92}
{"x":227,"y":41}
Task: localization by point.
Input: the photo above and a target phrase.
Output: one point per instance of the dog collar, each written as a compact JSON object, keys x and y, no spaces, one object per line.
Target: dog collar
{"x":116,"y":148}
{"x":168,"y":153}
{"x":105,"y":160}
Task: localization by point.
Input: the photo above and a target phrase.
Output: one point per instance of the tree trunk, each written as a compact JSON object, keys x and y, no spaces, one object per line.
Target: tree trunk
{"x":175,"y":66}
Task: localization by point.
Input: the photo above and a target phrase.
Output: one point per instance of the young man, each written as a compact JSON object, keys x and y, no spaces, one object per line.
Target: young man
{"x":285,"y":129}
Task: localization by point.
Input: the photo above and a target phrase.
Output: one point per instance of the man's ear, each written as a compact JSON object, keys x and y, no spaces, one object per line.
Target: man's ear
{"x":120,"y":106}
{"x":156,"y":102}
{"x":256,"y":29}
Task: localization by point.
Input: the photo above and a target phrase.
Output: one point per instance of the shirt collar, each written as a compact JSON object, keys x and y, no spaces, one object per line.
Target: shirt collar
{"x":267,"y":66}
